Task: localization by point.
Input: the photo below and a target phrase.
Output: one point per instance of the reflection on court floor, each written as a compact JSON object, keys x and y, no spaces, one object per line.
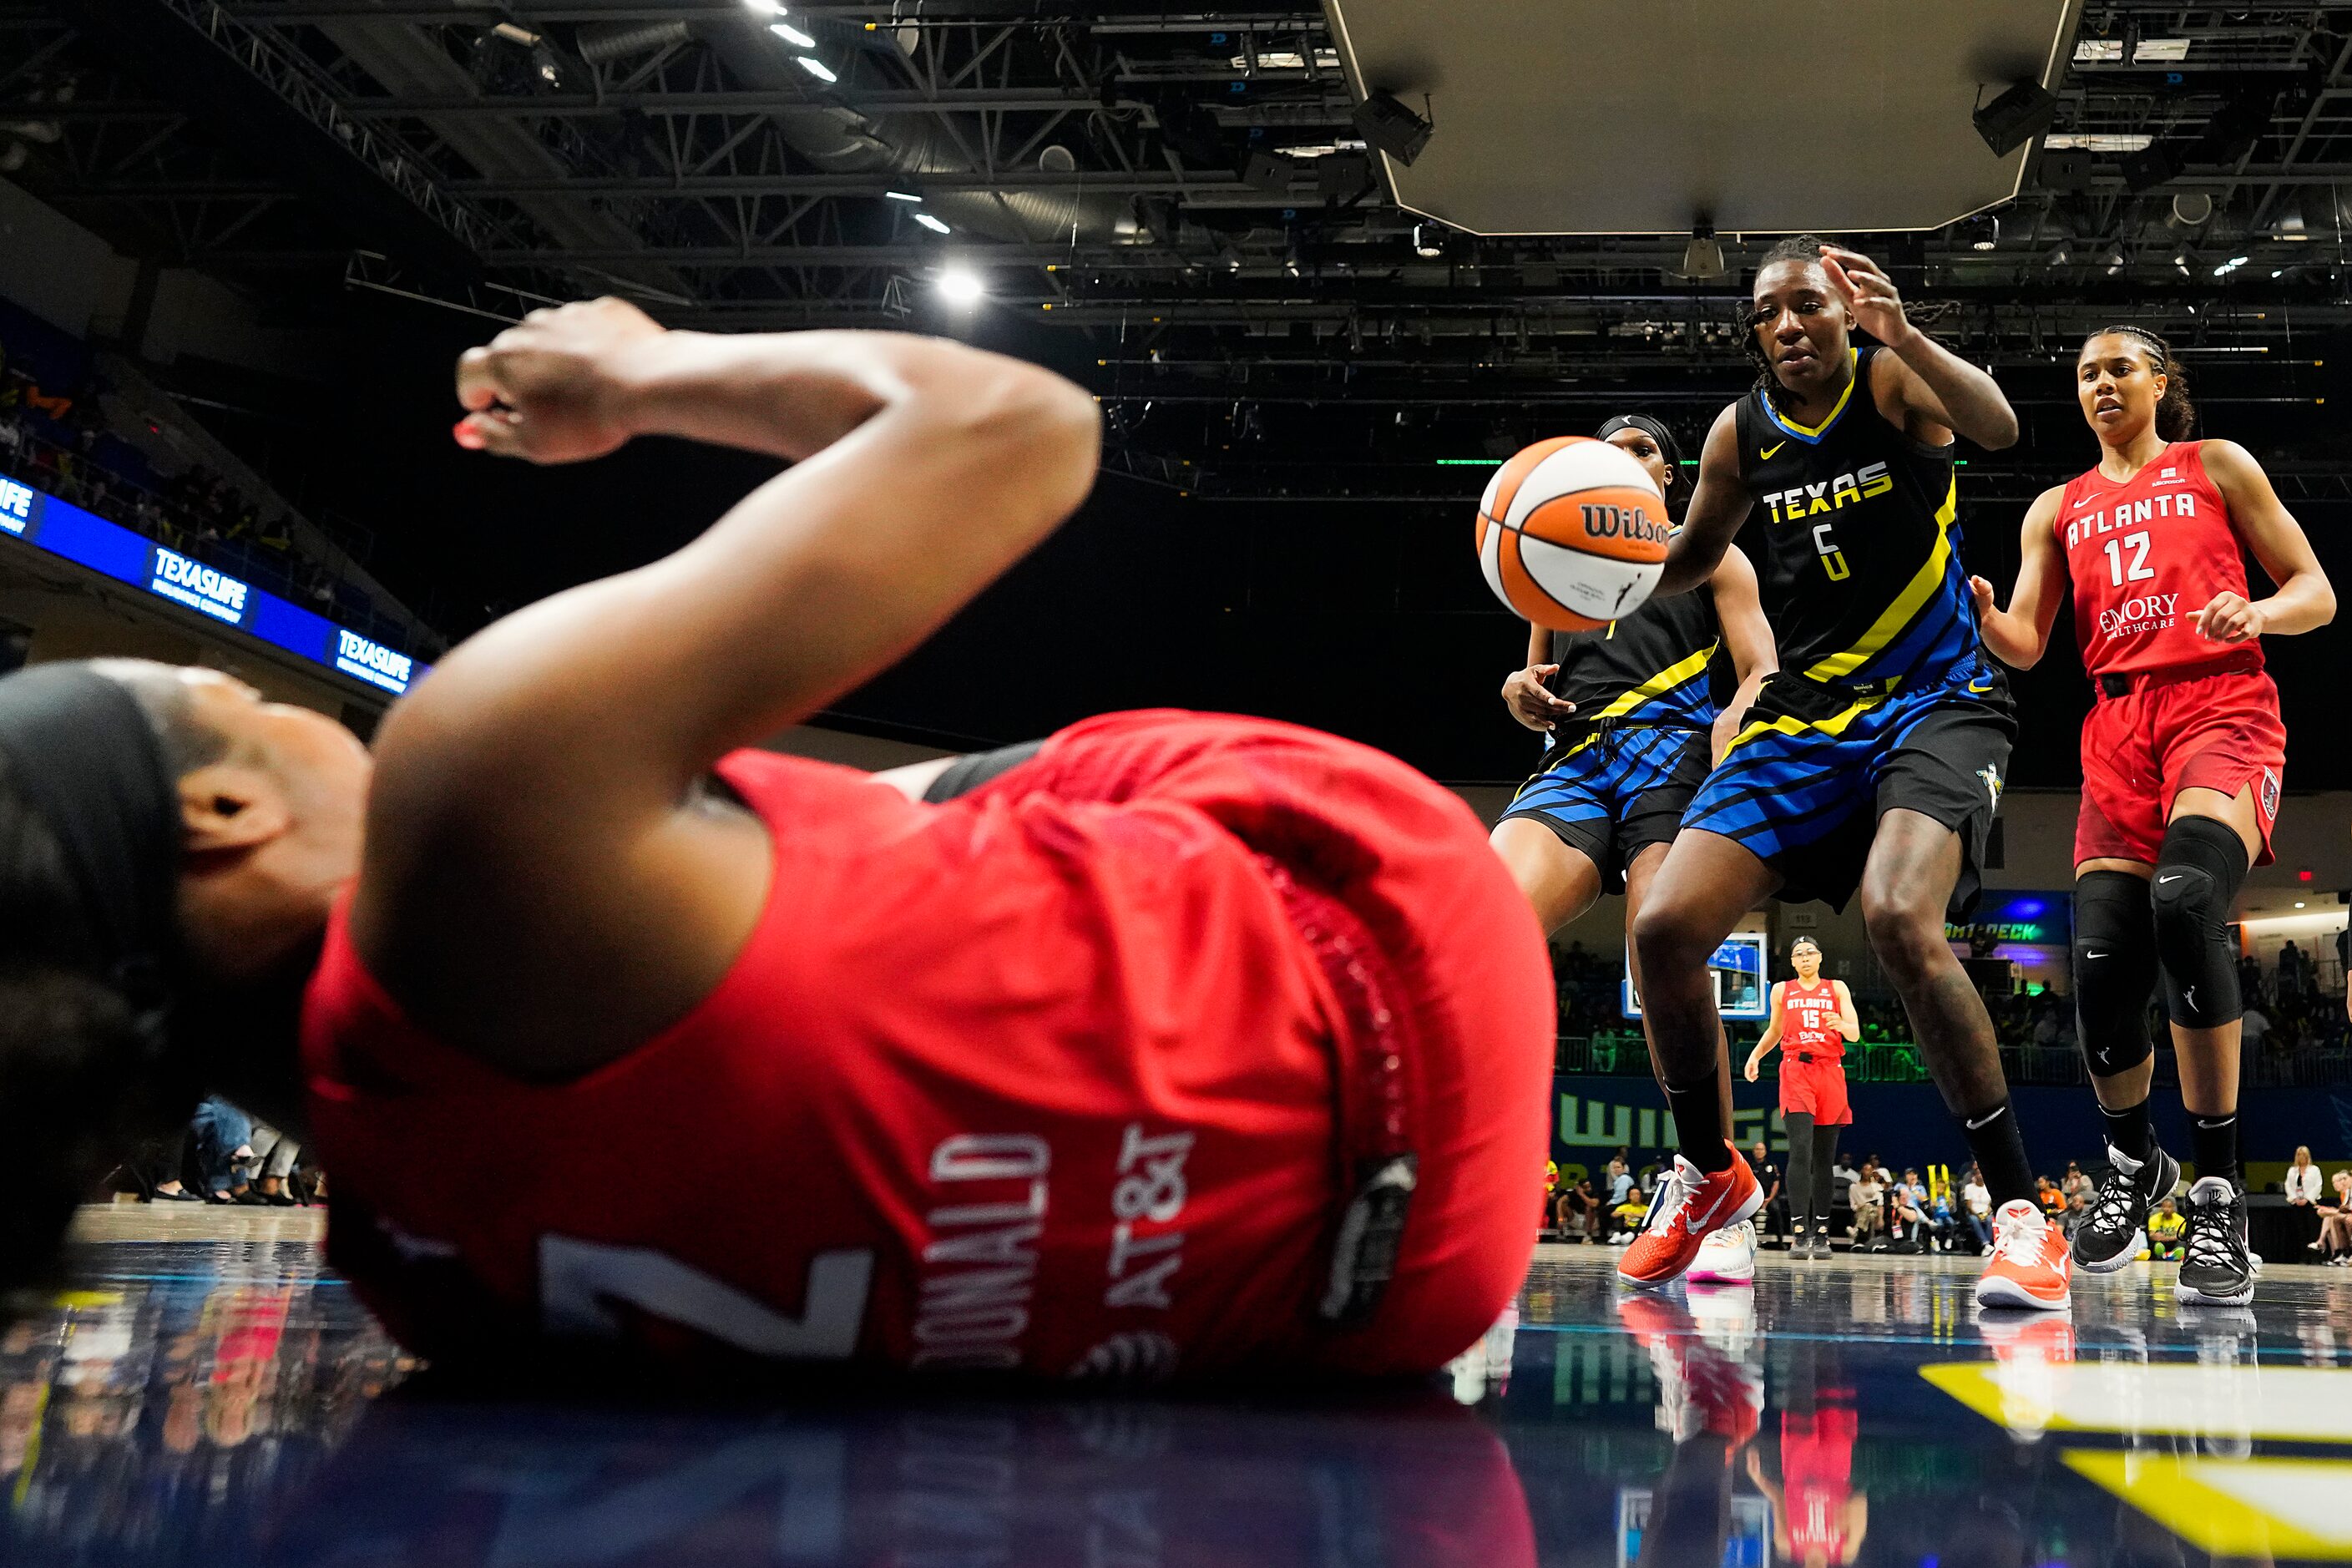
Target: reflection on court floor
{"x":205,"y":1393}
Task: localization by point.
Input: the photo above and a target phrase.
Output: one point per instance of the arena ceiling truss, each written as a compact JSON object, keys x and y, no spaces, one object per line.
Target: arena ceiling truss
{"x":1178,"y":194}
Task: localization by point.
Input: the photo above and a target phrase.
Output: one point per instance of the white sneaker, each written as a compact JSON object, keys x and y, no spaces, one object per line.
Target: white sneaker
{"x":1727,"y":1257}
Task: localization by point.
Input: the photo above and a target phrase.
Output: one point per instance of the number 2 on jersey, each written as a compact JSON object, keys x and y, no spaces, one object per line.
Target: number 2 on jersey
{"x":2140,"y":569}
{"x":578,"y":1280}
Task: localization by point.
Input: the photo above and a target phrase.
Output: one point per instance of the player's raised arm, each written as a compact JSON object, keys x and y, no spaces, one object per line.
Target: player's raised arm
{"x":2303,"y":599}
{"x":1718,"y":506}
{"x":1940,"y":391}
{"x":534,"y":816}
{"x":2019,"y":635}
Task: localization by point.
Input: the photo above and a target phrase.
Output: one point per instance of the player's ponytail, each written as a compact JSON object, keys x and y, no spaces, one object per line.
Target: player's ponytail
{"x":2176,"y":415}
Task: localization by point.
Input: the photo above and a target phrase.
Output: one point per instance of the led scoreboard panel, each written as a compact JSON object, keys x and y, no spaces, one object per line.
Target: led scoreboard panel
{"x":65,"y":530}
{"x":1737,"y":972}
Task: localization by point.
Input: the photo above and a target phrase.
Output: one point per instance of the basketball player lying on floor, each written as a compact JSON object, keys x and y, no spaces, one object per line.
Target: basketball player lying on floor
{"x":1178,"y":1044}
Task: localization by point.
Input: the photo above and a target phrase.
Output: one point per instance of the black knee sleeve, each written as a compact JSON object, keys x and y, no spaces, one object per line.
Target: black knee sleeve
{"x":2115,"y":970}
{"x":2197,"y":877}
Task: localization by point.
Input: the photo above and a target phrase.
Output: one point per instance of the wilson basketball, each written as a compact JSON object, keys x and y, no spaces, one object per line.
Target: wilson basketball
{"x":1572,"y":533}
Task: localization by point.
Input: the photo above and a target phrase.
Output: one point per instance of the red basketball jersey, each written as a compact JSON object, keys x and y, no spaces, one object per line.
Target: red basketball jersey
{"x":1022,"y":1081}
{"x":1809,"y":1019}
{"x":2144,"y":556}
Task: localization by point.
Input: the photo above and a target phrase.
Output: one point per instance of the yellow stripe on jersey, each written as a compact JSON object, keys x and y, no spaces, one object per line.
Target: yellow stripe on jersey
{"x":1908,"y":604}
{"x":1787,"y":724}
{"x":1658,"y":685}
{"x":1813,"y":432}
{"x":1626,"y":702}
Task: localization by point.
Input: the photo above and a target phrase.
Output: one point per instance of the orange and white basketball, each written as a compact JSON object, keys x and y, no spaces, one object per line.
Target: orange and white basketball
{"x":1572,"y":533}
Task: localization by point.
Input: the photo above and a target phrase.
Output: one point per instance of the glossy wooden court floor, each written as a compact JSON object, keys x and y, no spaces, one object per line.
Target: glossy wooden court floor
{"x":207,"y":1395}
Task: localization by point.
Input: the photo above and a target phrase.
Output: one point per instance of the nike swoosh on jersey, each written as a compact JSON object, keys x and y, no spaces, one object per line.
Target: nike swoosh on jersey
{"x":1765,"y":453}
{"x":2162,"y":880}
{"x":1980,"y":690}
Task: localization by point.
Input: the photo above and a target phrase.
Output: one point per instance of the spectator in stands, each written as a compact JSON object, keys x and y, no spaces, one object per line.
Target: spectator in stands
{"x":2253,"y":1029}
{"x":1906,"y":1212}
{"x":2335,"y":1221}
{"x":1621,"y":1176}
{"x":275,"y":1156}
{"x":1626,"y":1217}
{"x":2302,"y":1192}
{"x":1976,"y":1207}
{"x":1841,"y":1170}
{"x":2250,"y":978}
{"x":2053,"y":1201}
{"x":1578,"y":1211}
{"x":2295,"y":975}
{"x":1867,"y":1199}
{"x":2164,"y":1227}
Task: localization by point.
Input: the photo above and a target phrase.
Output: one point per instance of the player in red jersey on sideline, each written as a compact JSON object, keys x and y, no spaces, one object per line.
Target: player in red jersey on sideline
{"x":2182,"y":759}
{"x":1812,"y":1021}
{"x":1176,"y":1045}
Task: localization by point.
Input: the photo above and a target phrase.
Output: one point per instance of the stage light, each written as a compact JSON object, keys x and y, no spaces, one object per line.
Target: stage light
{"x":2016,"y":116}
{"x":2059,"y":255}
{"x":902,"y":195}
{"x":1427,"y":243}
{"x":934,"y":224}
{"x":763,"y":7}
{"x":1703,"y":257}
{"x":1393,"y":128}
{"x":962,"y":286}
{"x":1984,"y":233}
{"x":2115,"y":261}
{"x":817,"y":68}
{"x":791,"y":34}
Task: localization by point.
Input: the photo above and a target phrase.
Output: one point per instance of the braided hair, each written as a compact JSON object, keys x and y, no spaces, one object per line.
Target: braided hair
{"x":1805,"y":247}
{"x":2176,"y":416}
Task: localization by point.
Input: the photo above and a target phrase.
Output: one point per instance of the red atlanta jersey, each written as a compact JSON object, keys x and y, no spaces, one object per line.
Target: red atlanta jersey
{"x":1809,"y":1019}
{"x":2146,"y":555}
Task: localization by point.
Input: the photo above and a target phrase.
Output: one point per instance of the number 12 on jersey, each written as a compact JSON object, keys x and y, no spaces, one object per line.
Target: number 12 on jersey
{"x":2139,"y":570}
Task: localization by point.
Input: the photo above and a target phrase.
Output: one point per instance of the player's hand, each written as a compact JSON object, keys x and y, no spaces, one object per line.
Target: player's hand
{"x":2231,"y":619}
{"x":1868,"y":293}
{"x":1752,"y":1073}
{"x":547,"y":389}
{"x":1982,"y":591}
{"x":1531,"y":702}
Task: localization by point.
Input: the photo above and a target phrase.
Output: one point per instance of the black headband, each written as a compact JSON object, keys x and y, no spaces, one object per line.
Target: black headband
{"x":84,"y":757}
{"x":1648,"y":427}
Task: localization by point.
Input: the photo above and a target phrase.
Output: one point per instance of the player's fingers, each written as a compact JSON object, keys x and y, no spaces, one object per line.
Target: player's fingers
{"x":1547,"y":671}
{"x":478,"y":379}
{"x":494,"y":431}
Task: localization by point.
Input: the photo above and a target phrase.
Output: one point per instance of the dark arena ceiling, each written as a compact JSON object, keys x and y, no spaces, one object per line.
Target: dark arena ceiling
{"x":1173,"y":201}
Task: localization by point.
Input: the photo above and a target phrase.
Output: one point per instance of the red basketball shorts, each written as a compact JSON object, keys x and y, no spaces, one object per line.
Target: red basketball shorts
{"x":1816,"y":1089}
{"x":1463,"y":961}
{"x":2219,"y":732}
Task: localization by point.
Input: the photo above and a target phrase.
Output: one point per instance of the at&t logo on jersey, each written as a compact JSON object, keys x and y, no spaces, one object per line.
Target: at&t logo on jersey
{"x":2129,"y":514}
{"x":1806,"y":500}
{"x":2147,"y":613}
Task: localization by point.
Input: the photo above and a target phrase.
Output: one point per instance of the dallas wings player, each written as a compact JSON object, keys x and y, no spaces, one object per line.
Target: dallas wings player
{"x":1871,"y":761}
{"x":2182,"y":757}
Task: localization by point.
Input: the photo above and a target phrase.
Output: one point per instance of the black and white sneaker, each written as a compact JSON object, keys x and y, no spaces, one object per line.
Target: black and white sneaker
{"x":2115,"y":1231}
{"x":2216,"y":1270}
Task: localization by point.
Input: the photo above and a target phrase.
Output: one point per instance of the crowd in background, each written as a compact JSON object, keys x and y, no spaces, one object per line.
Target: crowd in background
{"x":54,"y":436}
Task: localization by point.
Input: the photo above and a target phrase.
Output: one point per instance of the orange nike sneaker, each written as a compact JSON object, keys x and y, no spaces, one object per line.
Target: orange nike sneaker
{"x":1691,"y":1204}
{"x":2030,"y":1265}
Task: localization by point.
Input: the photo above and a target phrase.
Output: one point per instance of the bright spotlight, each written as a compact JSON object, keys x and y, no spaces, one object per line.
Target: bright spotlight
{"x":902,"y":195}
{"x":934,"y":224}
{"x":817,"y":68}
{"x":962,"y":286}
{"x":791,"y":34}
{"x":763,"y":7}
